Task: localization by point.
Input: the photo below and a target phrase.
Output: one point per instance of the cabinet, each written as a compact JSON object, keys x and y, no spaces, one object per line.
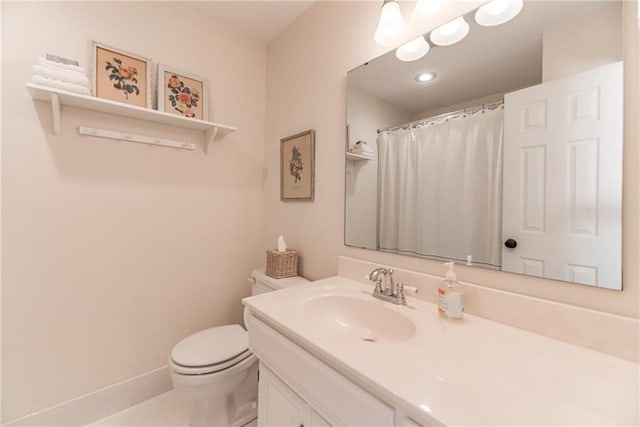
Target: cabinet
{"x":281,"y":406}
{"x":297,"y":389}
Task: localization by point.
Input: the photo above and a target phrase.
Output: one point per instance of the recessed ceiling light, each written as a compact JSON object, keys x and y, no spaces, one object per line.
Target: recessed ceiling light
{"x":413,"y":50}
{"x":425,"y":77}
{"x":450,"y":33}
{"x":498,"y":12}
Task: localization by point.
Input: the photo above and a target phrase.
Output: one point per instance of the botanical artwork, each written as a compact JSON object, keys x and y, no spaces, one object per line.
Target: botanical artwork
{"x":182,"y":93}
{"x":183,"y":98}
{"x":120,"y":76}
{"x":297,"y":166}
{"x":124,"y":77}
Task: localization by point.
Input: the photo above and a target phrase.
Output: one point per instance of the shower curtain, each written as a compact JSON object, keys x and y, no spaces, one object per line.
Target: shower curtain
{"x":440,"y":188}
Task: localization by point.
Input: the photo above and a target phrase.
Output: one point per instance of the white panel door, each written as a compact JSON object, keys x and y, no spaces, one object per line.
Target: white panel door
{"x":563,"y":179}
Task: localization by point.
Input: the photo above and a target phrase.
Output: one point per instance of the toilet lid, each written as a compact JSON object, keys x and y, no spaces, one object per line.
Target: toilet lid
{"x":211,"y":346}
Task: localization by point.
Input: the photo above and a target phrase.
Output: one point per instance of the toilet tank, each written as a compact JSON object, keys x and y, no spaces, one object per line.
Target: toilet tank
{"x":261,"y":283}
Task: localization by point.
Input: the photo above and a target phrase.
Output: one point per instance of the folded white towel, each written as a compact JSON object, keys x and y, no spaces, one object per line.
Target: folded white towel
{"x":60,"y":65}
{"x":69,"y":87}
{"x":362,"y":149}
{"x":67,"y":76}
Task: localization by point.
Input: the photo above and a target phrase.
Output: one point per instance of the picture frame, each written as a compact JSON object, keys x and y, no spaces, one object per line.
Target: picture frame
{"x":297,"y":166}
{"x":182,"y":93}
{"x":121,"y":76}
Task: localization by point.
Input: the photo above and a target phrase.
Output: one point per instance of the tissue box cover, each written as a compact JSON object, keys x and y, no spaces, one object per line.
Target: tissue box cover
{"x":282,"y":264}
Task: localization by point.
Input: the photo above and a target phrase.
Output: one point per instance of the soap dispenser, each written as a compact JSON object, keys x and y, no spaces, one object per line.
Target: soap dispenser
{"x":450,"y":295}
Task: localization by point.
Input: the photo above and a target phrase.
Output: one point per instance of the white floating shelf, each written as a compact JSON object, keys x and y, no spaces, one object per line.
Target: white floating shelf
{"x":354,"y":156}
{"x":59,"y":98}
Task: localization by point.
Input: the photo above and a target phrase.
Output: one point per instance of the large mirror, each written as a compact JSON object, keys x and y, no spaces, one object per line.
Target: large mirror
{"x":508,"y":157}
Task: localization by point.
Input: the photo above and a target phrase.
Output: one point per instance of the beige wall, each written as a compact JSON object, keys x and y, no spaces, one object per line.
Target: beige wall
{"x":305,"y":90}
{"x":113,"y":252}
{"x":583,"y":44}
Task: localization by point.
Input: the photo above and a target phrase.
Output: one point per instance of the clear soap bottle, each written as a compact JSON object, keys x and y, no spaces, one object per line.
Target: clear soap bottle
{"x":450,"y":295}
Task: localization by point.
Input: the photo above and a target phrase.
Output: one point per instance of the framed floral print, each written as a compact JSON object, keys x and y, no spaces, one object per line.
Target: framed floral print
{"x":297,"y":172}
{"x":182,"y":93}
{"x":121,"y":76}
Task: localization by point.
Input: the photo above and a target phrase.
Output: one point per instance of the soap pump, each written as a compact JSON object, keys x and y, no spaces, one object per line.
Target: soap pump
{"x":450,"y":295}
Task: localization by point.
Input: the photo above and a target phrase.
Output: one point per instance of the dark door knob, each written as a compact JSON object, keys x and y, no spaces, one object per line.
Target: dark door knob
{"x":510,"y":243}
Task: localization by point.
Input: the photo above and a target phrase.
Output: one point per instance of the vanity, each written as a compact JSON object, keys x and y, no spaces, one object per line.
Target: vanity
{"x":331,"y":354}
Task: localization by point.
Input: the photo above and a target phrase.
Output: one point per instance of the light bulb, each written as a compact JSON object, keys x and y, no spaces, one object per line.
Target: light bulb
{"x":391,"y":29}
{"x":413,"y":50}
{"x":498,"y":12}
{"x":450,"y":33}
{"x":450,"y":28}
{"x":497,"y":7}
{"x":425,"y":8}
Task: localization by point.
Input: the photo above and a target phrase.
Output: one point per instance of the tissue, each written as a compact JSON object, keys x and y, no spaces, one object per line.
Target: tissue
{"x":282,"y":246}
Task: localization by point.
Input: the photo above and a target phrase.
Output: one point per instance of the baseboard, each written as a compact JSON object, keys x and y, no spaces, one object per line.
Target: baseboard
{"x":100,"y":403}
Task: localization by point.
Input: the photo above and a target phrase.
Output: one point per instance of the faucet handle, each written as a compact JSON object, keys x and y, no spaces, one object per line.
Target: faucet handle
{"x":402,"y":299}
{"x":411,"y":289}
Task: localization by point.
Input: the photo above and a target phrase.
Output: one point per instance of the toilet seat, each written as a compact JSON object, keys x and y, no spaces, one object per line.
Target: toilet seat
{"x":211,"y":350}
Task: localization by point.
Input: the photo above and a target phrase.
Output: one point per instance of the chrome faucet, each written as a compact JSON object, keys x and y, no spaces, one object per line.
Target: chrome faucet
{"x":376,"y":276}
{"x":390,"y":292}
{"x":390,"y":284}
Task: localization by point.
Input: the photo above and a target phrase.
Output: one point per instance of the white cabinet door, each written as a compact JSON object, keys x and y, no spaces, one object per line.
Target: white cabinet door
{"x":563,"y":179}
{"x":278,"y":405}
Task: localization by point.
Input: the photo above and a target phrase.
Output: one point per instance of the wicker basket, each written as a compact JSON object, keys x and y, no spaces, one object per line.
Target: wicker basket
{"x":282,"y":264}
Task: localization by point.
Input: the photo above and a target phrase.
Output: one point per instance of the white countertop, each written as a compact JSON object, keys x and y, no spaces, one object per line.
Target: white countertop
{"x":473,"y":372}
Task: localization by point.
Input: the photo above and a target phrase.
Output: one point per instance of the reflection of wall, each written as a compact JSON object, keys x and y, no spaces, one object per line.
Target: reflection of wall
{"x":367,"y":113}
{"x":305,"y":89}
{"x":583,"y":44}
{"x":113,"y":252}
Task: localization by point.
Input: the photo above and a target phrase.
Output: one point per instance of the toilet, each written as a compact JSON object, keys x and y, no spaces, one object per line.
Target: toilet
{"x":217,"y":372}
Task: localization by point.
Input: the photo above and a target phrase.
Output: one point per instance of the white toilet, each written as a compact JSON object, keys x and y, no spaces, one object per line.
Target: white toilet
{"x":216,"y":371}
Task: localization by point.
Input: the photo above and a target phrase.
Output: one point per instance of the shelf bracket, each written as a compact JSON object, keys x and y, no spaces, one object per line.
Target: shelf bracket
{"x":55,"y":113}
{"x":210,"y":136}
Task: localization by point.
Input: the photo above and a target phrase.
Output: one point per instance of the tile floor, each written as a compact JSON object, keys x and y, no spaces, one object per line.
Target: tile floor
{"x":166,"y":410}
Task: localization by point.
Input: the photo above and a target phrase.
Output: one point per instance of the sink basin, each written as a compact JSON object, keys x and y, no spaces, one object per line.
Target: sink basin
{"x":358,"y":318}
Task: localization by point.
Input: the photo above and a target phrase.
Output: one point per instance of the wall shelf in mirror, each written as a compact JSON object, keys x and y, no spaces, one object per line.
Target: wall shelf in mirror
{"x":354,"y":156}
{"x":58,"y":98}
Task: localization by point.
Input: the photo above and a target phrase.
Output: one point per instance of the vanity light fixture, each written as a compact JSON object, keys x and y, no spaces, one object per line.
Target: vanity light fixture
{"x":391,"y":28}
{"x":450,"y":33}
{"x":425,"y":9}
{"x":413,"y":50}
{"x":425,"y":77}
{"x":498,"y":12}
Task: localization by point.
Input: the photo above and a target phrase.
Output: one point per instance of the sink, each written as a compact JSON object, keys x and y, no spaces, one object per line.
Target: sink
{"x":358,"y":318}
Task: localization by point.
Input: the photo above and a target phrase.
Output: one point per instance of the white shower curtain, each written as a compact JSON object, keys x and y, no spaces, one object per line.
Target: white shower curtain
{"x":440,"y":188}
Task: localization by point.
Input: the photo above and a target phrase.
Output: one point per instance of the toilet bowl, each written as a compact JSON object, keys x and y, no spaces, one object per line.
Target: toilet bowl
{"x":217,"y":372}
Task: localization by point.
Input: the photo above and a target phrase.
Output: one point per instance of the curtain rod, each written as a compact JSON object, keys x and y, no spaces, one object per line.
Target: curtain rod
{"x":450,"y":114}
